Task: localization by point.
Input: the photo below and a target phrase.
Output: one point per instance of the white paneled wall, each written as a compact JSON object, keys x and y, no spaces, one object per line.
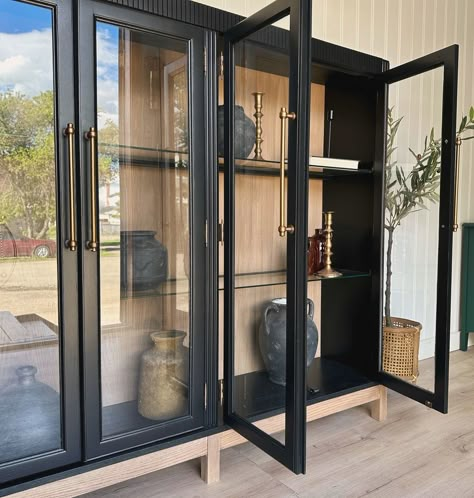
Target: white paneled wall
{"x":400,"y":30}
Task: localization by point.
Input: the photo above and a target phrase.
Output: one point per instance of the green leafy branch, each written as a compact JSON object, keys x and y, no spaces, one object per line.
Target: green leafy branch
{"x":408,"y":192}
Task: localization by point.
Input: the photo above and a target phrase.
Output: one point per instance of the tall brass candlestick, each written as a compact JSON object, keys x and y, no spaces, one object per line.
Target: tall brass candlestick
{"x":328,"y":271}
{"x":258,"y":96}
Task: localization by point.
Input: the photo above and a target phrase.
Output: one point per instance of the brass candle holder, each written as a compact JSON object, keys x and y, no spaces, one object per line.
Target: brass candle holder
{"x":328,"y":271}
{"x":258,"y":96}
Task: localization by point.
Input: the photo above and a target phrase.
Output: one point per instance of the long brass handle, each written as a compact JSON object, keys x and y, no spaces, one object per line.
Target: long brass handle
{"x":91,"y":135}
{"x":71,"y":243}
{"x":456,"y":191}
{"x":283,"y":229}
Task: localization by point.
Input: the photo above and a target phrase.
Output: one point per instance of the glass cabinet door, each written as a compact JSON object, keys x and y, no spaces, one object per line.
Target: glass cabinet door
{"x":419,"y":220}
{"x":266,"y":225}
{"x":145,"y":259}
{"x":39,"y":400}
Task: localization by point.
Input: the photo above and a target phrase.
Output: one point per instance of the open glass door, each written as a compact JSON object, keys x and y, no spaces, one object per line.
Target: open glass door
{"x":419,"y":220}
{"x":265,"y":254}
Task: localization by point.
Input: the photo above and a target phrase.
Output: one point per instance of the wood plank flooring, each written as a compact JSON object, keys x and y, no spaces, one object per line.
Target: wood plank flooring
{"x":417,"y":452}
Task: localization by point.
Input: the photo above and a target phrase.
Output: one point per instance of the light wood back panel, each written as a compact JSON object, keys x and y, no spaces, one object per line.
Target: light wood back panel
{"x":258,"y":244}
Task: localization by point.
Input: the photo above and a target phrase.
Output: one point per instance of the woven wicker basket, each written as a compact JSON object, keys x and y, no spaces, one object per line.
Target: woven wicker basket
{"x":401,"y":343}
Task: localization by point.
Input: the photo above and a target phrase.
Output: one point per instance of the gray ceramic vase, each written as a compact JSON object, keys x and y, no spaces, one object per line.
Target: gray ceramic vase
{"x":244,"y":132}
{"x":143,"y":260}
{"x":272,"y":339}
{"x":30,"y":417}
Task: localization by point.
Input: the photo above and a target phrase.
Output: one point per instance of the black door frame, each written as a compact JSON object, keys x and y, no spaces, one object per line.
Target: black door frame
{"x":448,"y":59}
{"x":90,"y":11}
{"x":67,"y":260}
{"x":293,"y":453}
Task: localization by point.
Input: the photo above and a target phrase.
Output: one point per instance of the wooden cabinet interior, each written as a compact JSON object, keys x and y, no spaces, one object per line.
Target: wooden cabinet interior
{"x":258,"y":211}
{"x":154,"y":184}
{"x":341,"y":307}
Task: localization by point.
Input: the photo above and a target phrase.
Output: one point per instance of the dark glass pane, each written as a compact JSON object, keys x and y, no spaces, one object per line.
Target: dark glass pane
{"x":142,"y":102}
{"x":30,"y":334}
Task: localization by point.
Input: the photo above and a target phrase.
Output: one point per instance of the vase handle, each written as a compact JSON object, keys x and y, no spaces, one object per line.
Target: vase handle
{"x":310,"y":308}
{"x":269,"y":307}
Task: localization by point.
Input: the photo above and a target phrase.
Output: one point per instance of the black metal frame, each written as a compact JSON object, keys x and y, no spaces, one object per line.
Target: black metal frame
{"x":95,"y":445}
{"x":292,"y":453}
{"x":67,"y":261}
{"x":448,"y":59}
{"x":166,"y":14}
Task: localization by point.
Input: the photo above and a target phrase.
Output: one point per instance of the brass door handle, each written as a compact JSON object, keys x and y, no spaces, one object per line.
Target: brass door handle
{"x":283,"y":229}
{"x":91,"y":136}
{"x":456,"y":188}
{"x":68,"y":132}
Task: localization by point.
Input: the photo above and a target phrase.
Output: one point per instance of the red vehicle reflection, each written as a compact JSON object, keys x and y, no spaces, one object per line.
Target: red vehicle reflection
{"x":10,"y":246}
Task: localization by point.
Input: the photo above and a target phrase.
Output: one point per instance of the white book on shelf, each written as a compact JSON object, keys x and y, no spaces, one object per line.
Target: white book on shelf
{"x":330,"y":162}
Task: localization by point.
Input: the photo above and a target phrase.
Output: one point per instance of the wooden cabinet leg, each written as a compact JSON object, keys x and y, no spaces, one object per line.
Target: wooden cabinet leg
{"x":211,"y":462}
{"x":378,"y":408}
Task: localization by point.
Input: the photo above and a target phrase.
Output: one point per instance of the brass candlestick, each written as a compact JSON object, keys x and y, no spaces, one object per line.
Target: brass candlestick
{"x":258,"y":124}
{"x":328,"y":271}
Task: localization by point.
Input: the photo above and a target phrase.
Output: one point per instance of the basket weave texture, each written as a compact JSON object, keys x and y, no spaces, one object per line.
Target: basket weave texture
{"x":401,"y":344}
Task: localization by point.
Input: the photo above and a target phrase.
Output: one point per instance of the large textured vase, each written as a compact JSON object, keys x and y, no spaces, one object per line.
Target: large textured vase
{"x":30,"y":421}
{"x":162,"y":392}
{"x":244,"y":132}
{"x":143,"y":260}
{"x":272,"y":339}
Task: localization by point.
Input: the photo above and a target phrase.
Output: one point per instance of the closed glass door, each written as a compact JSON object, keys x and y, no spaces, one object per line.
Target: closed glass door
{"x":144,"y":171}
{"x":39,"y":409}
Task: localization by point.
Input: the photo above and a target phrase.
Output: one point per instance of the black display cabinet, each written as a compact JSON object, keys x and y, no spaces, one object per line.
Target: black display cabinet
{"x":173,"y":239}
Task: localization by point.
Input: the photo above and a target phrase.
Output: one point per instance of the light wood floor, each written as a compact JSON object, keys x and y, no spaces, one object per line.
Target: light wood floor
{"x":416,"y":452}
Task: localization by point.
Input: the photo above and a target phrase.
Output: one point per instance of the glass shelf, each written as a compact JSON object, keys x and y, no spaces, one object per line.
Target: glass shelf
{"x":180,"y":286}
{"x":267,"y":279}
{"x":272,"y":168}
{"x":146,"y":155}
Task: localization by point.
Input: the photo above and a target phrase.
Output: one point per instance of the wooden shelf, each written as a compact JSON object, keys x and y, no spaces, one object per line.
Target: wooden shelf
{"x":256,"y":397}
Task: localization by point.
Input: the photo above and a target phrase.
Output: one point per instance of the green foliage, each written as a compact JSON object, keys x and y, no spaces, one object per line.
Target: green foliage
{"x":108,"y":153}
{"x":27,"y":162}
{"x":408,"y":192}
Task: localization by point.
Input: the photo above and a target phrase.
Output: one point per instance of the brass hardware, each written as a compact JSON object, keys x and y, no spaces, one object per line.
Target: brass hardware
{"x":456,"y":191}
{"x":71,"y":243}
{"x":221,"y":392}
{"x":220,"y":232}
{"x":91,"y":136}
{"x":258,"y":96}
{"x":284,"y":116}
{"x":328,"y":271}
{"x":221,"y":66}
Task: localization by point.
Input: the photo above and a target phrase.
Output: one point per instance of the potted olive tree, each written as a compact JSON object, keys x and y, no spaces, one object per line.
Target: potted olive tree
{"x":406,"y":193}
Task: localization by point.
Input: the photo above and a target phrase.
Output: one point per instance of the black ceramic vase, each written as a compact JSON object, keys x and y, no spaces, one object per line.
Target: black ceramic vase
{"x":143,"y":261}
{"x":272,"y":339}
{"x":30,"y":417}
{"x":244,"y":132}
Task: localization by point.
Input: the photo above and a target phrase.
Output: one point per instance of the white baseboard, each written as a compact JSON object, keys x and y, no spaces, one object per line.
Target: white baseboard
{"x":427,"y":346}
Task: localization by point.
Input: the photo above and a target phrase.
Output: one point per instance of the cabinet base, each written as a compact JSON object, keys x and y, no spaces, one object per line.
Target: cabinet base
{"x":208,"y":448}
